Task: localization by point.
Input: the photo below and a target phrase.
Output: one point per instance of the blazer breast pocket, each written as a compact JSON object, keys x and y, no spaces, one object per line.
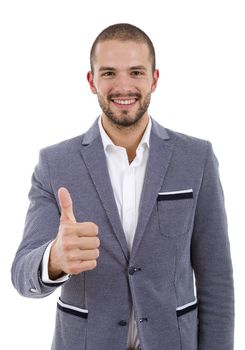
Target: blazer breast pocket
{"x":174,"y":212}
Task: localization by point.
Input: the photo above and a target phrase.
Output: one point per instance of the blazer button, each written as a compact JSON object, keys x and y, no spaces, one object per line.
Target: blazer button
{"x":133,"y":269}
{"x":122,"y":323}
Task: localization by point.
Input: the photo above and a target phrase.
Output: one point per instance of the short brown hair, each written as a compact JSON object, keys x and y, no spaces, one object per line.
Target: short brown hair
{"x":124,"y":32}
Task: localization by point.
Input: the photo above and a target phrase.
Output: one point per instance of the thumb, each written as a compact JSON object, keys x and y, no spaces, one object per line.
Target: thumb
{"x":66,"y":205}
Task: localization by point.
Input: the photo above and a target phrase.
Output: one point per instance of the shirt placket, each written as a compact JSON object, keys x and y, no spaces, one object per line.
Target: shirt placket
{"x":128,"y":202}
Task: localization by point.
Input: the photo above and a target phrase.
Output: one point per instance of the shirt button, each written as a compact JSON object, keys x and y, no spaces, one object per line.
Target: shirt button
{"x":143,"y":319}
{"x":122,"y":323}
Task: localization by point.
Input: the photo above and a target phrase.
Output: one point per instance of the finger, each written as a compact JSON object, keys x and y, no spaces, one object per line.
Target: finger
{"x":66,"y":205}
{"x":79,"y":242}
{"x":80,"y":229}
{"x":88,"y":243}
{"x":83,"y":255}
{"x":81,"y":266}
{"x":87,"y":229}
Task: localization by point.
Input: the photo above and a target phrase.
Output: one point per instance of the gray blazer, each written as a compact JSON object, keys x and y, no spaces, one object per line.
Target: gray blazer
{"x":182,"y":229}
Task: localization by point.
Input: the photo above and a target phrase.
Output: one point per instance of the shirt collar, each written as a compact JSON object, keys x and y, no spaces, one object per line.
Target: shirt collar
{"x":145,"y":140}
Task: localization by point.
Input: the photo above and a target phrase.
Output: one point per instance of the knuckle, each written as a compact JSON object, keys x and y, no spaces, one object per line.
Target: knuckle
{"x":70,"y":256}
{"x":94,"y":228}
{"x":93,"y":254}
{"x":66,"y":245}
{"x":64,"y":228}
{"x":97,"y":242}
{"x":93,"y":264}
{"x":97,"y":253}
{"x":73,"y":269}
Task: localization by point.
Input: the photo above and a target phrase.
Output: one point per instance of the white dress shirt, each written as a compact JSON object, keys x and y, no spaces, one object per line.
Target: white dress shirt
{"x":127,"y":183}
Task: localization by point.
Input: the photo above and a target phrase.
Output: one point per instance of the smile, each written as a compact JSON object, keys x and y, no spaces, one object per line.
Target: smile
{"x":125,"y":102}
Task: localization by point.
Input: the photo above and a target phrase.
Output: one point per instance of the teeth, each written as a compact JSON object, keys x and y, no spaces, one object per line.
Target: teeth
{"x":125,"y":102}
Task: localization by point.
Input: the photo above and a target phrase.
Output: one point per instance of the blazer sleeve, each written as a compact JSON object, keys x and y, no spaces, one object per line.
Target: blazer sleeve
{"x":41,"y":226}
{"x":212,"y":264}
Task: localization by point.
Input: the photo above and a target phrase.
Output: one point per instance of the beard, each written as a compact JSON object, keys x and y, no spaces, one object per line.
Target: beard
{"x":123,"y":118}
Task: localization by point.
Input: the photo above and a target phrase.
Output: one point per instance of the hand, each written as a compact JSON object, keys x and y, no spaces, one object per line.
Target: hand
{"x":75,"y":248}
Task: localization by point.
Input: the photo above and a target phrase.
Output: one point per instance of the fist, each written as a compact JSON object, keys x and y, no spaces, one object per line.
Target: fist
{"x":76,"y":247}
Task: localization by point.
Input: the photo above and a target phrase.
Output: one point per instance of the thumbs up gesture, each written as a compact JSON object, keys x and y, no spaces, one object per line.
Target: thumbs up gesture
{"x":75,"y":248}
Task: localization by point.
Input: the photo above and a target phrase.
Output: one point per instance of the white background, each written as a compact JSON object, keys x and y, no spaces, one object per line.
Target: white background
{"x":45,"y":98}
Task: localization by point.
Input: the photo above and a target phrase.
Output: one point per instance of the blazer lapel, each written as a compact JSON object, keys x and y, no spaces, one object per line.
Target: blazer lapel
{"x":161,"y":148}
{"x":94,"y":157}
{"x":160,"y":152}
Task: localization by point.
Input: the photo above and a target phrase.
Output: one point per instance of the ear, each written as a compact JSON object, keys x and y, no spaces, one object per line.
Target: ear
{"x":155,"y":80}
{"x":90,"y":80}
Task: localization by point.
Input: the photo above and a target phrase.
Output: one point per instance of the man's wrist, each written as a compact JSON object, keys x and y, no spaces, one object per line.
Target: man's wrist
{"x":50,"y":275}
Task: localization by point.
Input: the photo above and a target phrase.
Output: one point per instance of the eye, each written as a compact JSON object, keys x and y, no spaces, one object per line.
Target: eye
{"x":137,"y":73}
{"x":107,"y":74}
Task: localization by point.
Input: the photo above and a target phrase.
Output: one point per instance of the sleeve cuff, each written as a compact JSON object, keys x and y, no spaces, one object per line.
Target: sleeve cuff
{"x":45,"y":276}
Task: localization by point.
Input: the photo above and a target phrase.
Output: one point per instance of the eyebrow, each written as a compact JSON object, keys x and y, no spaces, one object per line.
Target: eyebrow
{"x":106,"y":68}
{"x":140,"y":67}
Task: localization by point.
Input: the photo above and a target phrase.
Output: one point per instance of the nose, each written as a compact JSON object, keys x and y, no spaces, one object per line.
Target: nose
{"x":123,"y":84}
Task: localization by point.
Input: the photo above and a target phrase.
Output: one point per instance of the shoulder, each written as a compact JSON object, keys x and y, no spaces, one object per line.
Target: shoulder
{"x":73,"y":145}
{"x":191,"y":147}
{"x":185,"y":140}
{"x":64,"y":146}
{"x":187,"y":149}
{"x":179,"y":139}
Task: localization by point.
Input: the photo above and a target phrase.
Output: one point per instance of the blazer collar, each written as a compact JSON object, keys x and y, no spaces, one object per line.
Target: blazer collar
{"x":94,"y":131}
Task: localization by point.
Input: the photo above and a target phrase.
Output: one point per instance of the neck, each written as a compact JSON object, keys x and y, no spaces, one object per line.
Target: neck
{"x":127,"y":137}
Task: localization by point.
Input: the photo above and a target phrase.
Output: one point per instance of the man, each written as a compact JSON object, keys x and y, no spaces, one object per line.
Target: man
{"x":122,"y":216}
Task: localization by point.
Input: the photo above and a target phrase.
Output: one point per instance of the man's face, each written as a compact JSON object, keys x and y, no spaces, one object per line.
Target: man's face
{"x":123,"y":80}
